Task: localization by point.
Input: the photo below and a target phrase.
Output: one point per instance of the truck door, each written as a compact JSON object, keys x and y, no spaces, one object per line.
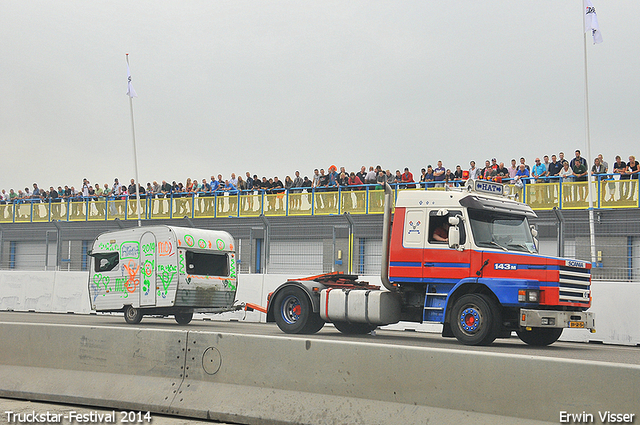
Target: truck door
{"x":441,"y":264}
{"x":148,"y":265}
{"x":407,"y":259}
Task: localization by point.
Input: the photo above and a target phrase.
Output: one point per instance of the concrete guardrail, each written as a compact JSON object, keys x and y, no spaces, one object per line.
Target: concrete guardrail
{"x":281,"y":380}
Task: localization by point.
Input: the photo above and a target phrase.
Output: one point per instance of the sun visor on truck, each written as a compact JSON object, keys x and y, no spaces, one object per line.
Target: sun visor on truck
{"x":497,"y":205}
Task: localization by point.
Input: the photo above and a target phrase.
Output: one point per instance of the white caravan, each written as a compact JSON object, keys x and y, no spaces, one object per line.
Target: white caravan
{"x":163,"y":270}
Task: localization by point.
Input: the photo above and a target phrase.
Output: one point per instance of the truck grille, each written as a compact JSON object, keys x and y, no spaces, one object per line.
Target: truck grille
{"x":575,"y":285}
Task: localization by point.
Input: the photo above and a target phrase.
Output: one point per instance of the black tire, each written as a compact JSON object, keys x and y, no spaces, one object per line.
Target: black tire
{"x":294,"y":314}
{"x":475,"y":320}
{"x":540,"y":337}
{"x":184,"y":318}
{"x":354,"y":328}
{"x":132,"y":316}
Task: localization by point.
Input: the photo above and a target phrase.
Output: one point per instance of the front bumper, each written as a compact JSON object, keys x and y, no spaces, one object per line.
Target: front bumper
{"x":557,"y":319}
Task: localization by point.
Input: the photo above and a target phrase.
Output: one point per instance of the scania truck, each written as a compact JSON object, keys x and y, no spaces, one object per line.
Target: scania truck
{"x":463,"y":257}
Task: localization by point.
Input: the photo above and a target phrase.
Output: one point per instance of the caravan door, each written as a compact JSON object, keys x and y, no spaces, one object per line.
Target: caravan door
{"x":148,"y":263}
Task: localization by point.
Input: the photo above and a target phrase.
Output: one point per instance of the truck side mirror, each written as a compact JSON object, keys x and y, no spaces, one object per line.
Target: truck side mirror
{"x":534,"y":233}
{"x":454,"y":237}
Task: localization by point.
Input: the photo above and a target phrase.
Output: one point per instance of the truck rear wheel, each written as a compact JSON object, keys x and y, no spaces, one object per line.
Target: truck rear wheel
{"x":294,"y":314}
{"x":184,"y":318}
{"x":354,"y":328}
{"x":475,"y":320}
{"x":132,"y":315}
{"x":540,"y":336}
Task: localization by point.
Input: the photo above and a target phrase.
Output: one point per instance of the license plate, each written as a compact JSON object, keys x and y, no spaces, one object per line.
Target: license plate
{"x":576,"y":324}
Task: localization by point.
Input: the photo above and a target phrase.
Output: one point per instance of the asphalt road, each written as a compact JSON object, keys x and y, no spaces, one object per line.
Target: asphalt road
{"x":560,"y":349}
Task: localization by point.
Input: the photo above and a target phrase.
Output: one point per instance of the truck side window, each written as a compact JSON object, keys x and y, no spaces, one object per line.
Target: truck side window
{"x":206,"y":264}
{"x":440,"y":225}
{"x":106,"y":261}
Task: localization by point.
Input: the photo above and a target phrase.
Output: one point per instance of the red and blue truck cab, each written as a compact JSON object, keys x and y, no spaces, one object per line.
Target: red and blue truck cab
{"x":466,"y":258}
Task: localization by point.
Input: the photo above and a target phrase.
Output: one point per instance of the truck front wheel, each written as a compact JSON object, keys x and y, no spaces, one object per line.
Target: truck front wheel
{"x":294,"y":314}
{"x":475,"y":320}
{"x":132,"y":315}
{"x":354,"y":328}
{"x":540,"y":336}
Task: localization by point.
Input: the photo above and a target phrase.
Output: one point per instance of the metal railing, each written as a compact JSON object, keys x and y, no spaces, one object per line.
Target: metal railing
{"x":544,"y":194}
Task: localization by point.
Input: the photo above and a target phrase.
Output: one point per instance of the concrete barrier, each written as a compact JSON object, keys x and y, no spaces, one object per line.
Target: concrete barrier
{"x":614,"y":303}
{"x":282,"y":380}
{"x":45,"y":291}
{"x":111,"y":367}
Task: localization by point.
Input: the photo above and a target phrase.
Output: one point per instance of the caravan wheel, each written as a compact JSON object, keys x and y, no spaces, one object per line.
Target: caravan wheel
{"x":184,"y":318}
{"x":132,"y":315}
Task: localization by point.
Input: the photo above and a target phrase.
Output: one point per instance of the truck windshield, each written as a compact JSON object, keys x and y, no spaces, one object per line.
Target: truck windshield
{"x":502,"y":231}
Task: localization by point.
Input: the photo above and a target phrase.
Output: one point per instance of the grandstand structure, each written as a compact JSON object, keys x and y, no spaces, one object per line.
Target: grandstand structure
{"x":301,"y":233}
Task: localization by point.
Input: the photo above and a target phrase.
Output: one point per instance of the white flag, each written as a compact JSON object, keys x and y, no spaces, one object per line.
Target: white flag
{"x":591,"y":22}
{"x":130,"y":91}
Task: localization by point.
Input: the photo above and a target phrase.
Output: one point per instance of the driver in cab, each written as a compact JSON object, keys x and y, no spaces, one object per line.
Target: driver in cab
{"x":441,"y":233}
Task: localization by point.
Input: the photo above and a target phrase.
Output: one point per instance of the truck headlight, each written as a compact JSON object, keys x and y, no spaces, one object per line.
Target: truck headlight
{"x":529,"y":296}
{"x":548,"y":321}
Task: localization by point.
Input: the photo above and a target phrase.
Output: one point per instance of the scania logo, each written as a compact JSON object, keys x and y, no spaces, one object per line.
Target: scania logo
{"x":575,"y":263}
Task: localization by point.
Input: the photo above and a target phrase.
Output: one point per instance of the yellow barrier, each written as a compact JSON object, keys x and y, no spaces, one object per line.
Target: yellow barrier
{"x":540,"y":196}
{"x":250,"y":205}
{"x":203,"y":206}
{"x":353,"y":202}
{"x":97,"y":210}
{"x":376,"y":201}
{"x":6,"y":213}
{"x":619,"y":194}
{"x":326,"y":203}
{"x":160,"y":208}
{"x":299,"y":203}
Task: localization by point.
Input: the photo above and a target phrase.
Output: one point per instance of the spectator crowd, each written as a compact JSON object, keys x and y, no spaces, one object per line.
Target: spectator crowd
{"x":542,"y":171}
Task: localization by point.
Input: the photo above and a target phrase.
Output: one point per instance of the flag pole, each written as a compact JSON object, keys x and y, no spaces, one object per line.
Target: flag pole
{"x":592,"y":233}
{"x":131,"y":94}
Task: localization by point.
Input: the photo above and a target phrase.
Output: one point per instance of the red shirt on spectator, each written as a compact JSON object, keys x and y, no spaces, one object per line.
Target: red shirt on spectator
{"x":407,"y":177}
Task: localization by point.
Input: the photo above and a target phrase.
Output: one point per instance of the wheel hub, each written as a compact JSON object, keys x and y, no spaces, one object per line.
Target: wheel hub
{"x":470,"y":319}
{"x":291,"y":310}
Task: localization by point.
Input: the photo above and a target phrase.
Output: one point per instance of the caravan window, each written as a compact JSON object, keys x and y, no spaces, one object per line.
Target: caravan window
{"x":106,"y":261}
{"x":206,"y":264}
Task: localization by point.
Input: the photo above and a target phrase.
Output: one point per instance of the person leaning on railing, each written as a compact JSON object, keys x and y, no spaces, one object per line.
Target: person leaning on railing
{"x":521,"y":176}
{"x":580,"y":174}
{"x":632,"y":171}
{"x":407,"y":178}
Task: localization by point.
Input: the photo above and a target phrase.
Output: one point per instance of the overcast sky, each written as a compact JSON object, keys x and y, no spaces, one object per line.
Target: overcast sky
{"x":272,"y":87}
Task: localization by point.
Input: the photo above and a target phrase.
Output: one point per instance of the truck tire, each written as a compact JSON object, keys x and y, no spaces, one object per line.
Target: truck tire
{"x":540,"y":336}
{"x":184,"y":318}
{"x":294,"y":314}
{"x":354,"y":328}
{"x":132,"y":315}
{"x":475,"y":320}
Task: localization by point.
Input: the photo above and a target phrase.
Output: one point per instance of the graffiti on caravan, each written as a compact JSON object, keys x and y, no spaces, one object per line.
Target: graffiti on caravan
{"x":165,"y":248}
{"x":103,"y":286}
{"x":130,"y":250}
